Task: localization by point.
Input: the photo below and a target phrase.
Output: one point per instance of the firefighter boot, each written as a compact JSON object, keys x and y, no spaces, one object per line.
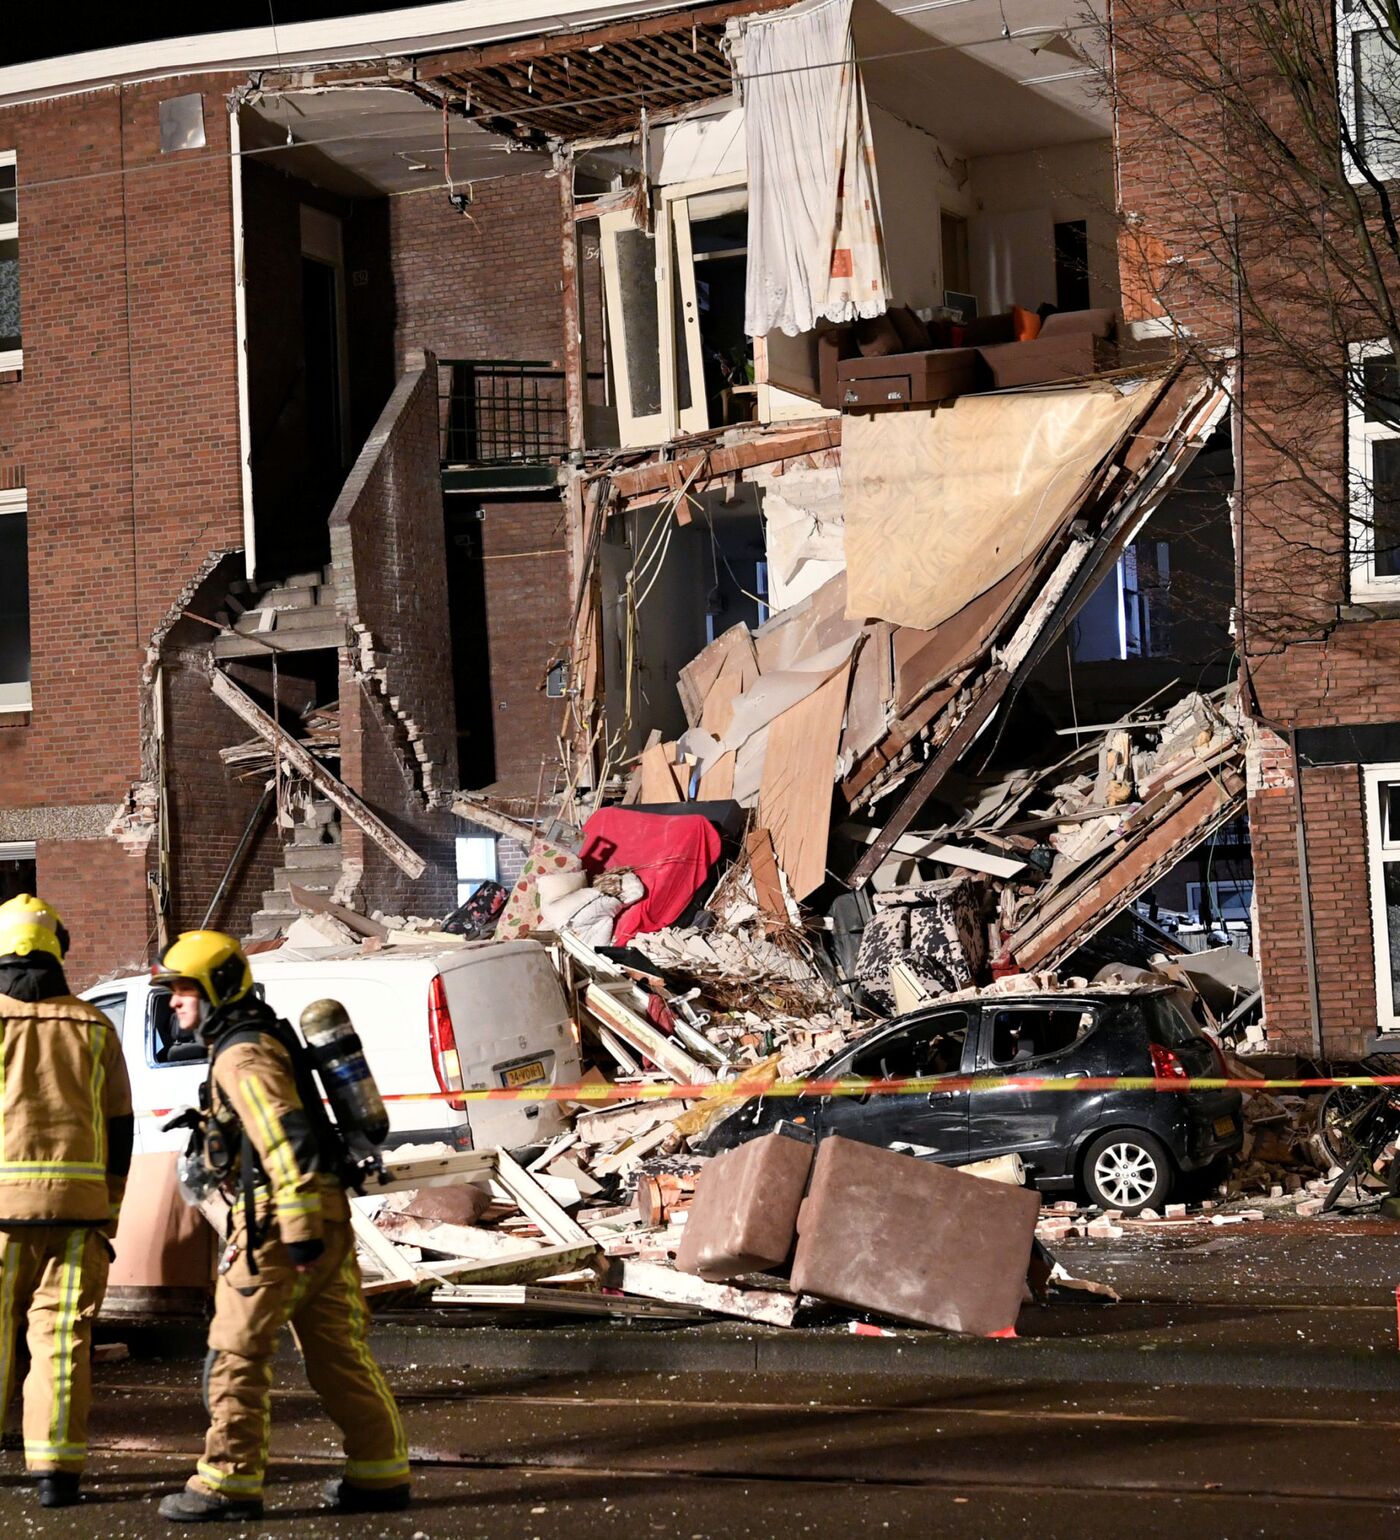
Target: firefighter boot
{"x":195,"y":1506}
{"x":345,"y":1497}
{"x":58,"y":1489}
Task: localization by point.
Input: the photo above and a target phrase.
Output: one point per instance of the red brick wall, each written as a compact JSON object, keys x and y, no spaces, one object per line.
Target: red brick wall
{"x":483,"y":284}
{"x":527,"y":622}
{"x":125,"y":424}
{"x":1334,"y":818}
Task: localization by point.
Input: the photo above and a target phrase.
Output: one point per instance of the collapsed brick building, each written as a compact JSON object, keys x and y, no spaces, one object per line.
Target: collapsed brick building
{"x":396,"y":397}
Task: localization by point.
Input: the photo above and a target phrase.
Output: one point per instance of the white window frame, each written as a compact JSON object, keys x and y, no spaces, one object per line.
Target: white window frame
{"x":1380,"y":853}
{"x":1353,"y":21}
{"x":12,"y":358}
{"x":1193,"y":899}
{"x":17,"y":697}
{"x":1361,"y":435}
{"x":476,"y":863}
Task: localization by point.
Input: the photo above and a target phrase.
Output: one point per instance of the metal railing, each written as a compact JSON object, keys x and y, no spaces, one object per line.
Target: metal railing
{"x":500,"y":411}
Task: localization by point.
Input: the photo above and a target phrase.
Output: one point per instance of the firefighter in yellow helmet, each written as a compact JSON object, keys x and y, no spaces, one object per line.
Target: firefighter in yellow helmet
{"x":290,"y":1257}
{"x":65,"y":1149}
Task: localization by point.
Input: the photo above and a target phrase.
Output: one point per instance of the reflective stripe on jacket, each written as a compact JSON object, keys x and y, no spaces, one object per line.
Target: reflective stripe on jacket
{"x":65,"y":1114}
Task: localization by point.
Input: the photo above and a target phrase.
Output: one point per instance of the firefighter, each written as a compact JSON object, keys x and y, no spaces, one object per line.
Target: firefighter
{"x":65,"y":1150}
{"x":290,"y":1257}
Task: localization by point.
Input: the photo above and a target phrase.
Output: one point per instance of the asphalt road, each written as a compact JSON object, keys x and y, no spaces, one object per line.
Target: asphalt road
{"x":503,"y":1455}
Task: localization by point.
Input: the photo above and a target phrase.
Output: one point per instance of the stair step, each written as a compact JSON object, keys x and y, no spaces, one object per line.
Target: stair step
{"x":308,"y":619}
{"x":326,"y":633}
{"x":287,"y":599}
{"x":266,"y":927}
{"x":314,"y":881}
{"x":313,"y":858}
{"x":276,"y":901}
{"x":303,"y":580}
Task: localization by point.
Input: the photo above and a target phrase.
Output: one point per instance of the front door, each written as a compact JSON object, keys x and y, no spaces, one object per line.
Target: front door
{"x":931,"y":1124}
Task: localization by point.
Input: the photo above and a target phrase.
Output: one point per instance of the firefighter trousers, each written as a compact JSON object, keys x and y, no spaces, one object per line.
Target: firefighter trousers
{"x":53,"y":1278}
{"x":326,"y":1310}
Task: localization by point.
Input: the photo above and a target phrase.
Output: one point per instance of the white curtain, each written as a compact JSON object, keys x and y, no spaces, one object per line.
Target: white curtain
{"x":815,"y":245}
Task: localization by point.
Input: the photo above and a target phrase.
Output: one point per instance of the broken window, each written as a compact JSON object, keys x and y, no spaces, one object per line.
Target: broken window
{"x":1021,"y":1035}
{"x":932,"y":1046}
{"x":14,"y":602}
{"x":476,"y":863}
{"x":1382,"y":783}
{"x":1373,"y":473}
{"x":1129,"y":614}
{"x":10,"y":355}
{"x":1229,"y":901}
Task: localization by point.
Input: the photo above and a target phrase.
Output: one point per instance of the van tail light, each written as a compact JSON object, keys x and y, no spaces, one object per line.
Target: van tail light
{"x":1165,"y":1064}
{"x":447,"y":1065}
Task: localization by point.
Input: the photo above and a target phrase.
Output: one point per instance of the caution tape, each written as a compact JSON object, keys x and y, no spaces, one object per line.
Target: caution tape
{"x":601,"y":1093}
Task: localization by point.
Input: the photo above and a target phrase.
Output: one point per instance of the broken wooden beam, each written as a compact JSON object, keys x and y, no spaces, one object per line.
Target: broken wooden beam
{"x":766,"y":1307}
{"x":707,"y":465}
{"x":331,"y":787}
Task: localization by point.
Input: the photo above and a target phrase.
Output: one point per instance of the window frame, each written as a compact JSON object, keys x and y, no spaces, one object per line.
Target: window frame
{"x":1352,"y":22}
{"x":1379,"y":854}
{"x":12,"y":358}
{"x":1364,"y":585}
{"x":18,"y":698}
{"x":992,"y":1009}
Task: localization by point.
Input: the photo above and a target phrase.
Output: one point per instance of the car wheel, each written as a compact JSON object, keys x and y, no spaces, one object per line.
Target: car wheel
{"x":1127,"y":1170}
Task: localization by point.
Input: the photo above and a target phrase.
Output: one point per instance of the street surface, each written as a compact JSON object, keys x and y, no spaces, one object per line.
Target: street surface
{"x":1249,"y":1389}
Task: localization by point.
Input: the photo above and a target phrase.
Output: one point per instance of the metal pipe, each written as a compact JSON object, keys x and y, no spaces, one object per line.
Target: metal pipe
{"x":237,"y":855}
{"x":1309,"y":946}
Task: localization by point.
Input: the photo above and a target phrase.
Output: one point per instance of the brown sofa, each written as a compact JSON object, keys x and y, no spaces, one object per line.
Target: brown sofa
{"x":880,"y":362}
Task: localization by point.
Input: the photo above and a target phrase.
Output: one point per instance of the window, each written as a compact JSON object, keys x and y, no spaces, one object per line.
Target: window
{"x":1129,"y":614}
{"x":166,"y":1043}
{"x":932,"y":1046}
{"x":1382,"y":791}
{"x":113,"y":1007}
{"x":17,"y":871}
{"x":14,"y":602}
{"x":1018,"y":1036}
{"x":10,"y":356}
{"x":1373,"y":472}
{"x":1229,"y":900}
{"x":1368,"y":60}
{"x":476,"y":863}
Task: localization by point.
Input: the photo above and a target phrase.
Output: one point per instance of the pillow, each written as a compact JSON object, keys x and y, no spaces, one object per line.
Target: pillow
{"x":1098,"y":323}
{"x":1026,"y":324}
{"x":877,"y":337}
{"x":913,"y":334}
{"x":940,"y":334}
{"x":987,"y":330}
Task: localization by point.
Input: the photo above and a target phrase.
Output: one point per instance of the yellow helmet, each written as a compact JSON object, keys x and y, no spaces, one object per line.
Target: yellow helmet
{"x":28,"y":924}
{"x":213,"y":960}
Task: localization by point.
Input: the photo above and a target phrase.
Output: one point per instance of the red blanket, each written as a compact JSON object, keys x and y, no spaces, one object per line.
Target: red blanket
{"x":671,"y":855}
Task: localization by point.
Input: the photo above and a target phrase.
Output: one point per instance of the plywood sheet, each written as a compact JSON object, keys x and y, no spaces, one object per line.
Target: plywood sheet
{"x":794,"y":800}
{"x":942,"y":505}
{"x":662,"y":780}
{"x":731,"y":651}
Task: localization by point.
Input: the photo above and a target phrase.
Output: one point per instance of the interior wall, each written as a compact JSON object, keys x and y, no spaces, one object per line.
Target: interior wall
{"x":1032,"y":191}
{"x":919,"y":178}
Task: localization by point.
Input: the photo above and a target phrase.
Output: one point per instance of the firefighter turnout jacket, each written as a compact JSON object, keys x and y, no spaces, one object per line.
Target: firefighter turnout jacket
{"x":65,"y":1149}
{"x":297,"y":1267}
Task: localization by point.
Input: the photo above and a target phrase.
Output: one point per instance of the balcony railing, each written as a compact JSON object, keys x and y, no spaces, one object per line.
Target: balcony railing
{"x":500,"y":412}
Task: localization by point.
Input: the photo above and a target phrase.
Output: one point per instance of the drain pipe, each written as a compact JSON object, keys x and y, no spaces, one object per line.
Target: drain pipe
{"x":1309,"y":944}
{"x":237,"y":856}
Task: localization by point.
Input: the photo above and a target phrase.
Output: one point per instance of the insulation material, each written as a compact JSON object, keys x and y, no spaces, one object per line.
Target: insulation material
{"x":804,"y":533}
{"x":815,"y":245}
{"x":777,"y":693}
{"x":794,"y":800}
{"x":942,"y":505}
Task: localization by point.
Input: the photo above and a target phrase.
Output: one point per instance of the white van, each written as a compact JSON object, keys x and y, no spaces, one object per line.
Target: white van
{"x":476,"y":1016}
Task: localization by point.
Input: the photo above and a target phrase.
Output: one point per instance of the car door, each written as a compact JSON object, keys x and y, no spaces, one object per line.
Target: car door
{"x":116,"y":1001}
{"x":933,"y":1124}
{"x":1027,"y":1042}
{"x":168,"y":1072}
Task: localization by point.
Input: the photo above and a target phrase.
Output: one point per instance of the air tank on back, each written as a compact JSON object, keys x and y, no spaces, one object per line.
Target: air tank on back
{"x":340,"y":1061}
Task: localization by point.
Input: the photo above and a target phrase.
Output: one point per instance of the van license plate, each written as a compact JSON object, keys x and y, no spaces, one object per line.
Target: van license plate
{"x":1224,"y":1126}
{"x":530,"y":1074}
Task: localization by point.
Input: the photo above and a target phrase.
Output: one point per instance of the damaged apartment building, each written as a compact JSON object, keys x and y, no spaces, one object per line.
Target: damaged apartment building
{"x":605,"y":403}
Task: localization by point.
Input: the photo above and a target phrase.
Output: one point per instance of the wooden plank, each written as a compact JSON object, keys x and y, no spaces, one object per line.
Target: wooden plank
{"x":414,"y":1171}
{"x":563,"y":1301}
{"x":544,"y":1262}
{"x":712,"y":464}
{"x":498,"y":823}
{"x":661,"y":777}
{"x":717,"y":783}
{"x":318,"y":903}
{"x":794,"y":799}
{"x":333,"y":789}
{"x":398,"y":1272}
{"x":638,"y":1033}
{"x":768,"y":1307}
{"x":763,"y":866}
{"x":534,"y":1202}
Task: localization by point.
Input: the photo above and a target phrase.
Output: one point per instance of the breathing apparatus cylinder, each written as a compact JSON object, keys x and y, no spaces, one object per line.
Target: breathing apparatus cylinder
{"x":349,"y":1083}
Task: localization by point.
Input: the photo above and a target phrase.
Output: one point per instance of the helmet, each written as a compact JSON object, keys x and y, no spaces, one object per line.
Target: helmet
{"x":28,"y":924}
{"x":213,"y":960}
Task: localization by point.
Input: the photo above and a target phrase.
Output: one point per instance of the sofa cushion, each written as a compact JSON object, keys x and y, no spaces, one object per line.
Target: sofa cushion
{"x":1101,"y":322}
{"x":878,"y":337}
{"x":913,"y":334}
{"x":1026,"y":323}
{"x":985,"y":330}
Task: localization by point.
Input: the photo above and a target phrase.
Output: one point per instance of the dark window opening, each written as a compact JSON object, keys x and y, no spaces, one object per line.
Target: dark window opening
{"x":1385,"y":507}
{"x":471,"y":647}
{"x":14,"y":601}
{"x":18,"y":873}
{"x":1072,"y":265}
